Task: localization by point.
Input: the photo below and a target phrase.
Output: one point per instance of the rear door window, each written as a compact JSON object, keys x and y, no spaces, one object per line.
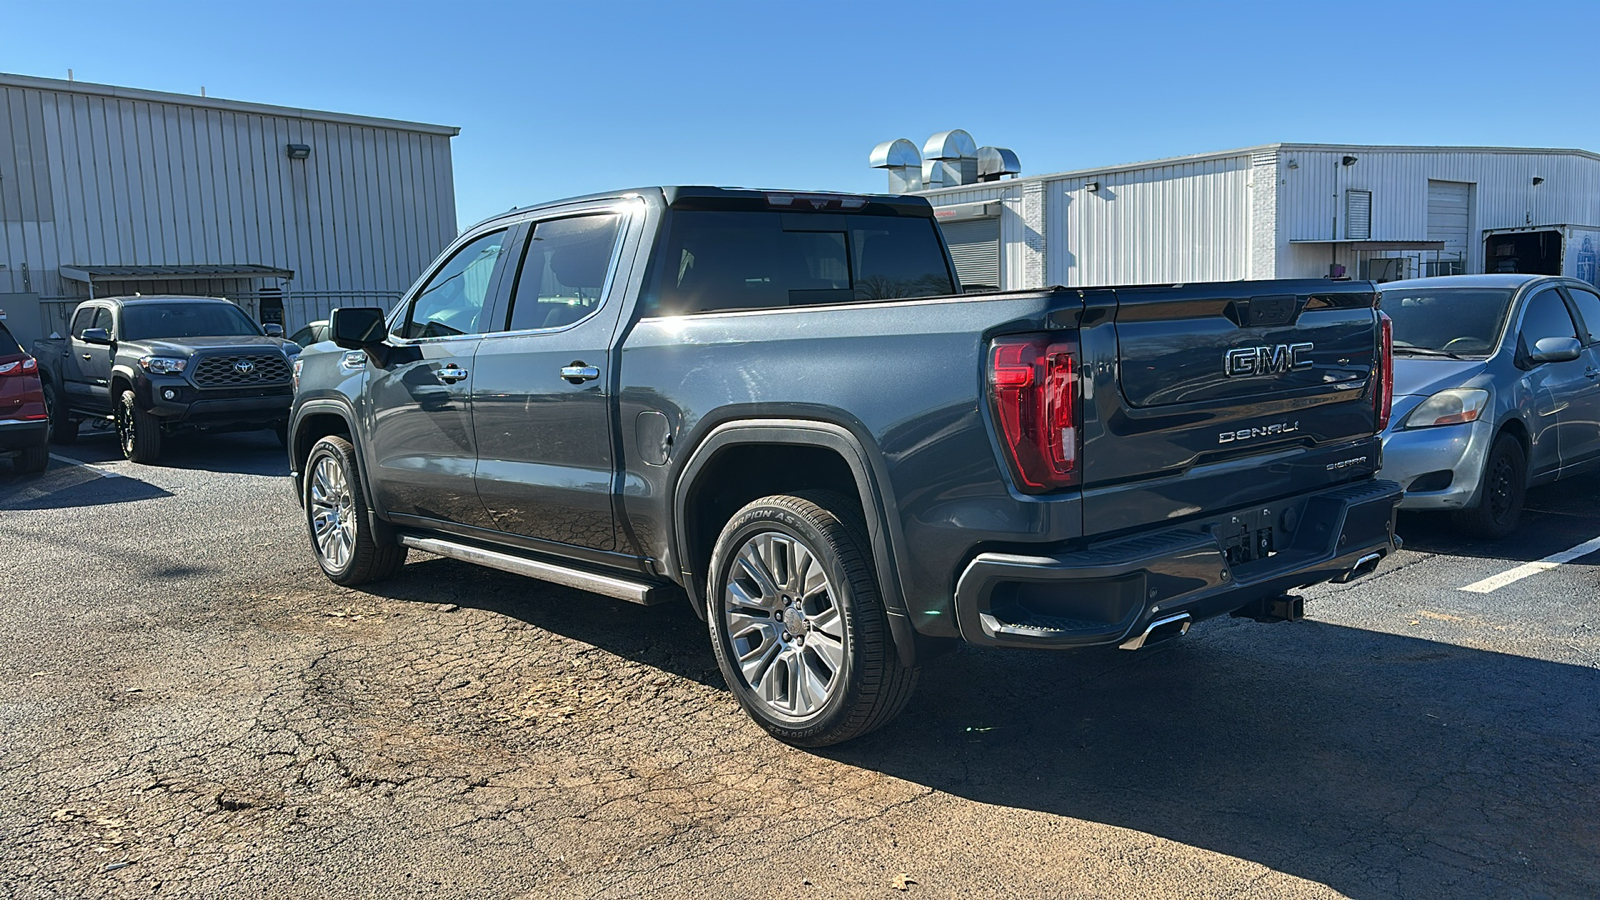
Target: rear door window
{"x":563,"y":271}
{"x":1588,"y":303}
{"x":723,"y":260}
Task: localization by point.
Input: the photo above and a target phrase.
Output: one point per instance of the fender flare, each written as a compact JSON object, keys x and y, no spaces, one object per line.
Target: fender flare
{"x":882,"y":530}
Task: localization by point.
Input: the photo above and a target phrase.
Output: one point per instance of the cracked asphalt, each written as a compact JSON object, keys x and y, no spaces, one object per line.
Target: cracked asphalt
{"x":189,"y":709}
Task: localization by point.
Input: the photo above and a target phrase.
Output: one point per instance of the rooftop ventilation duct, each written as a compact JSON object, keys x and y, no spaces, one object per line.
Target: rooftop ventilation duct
{"x":903,"y":163}
{"x":995,"y":163}
{"x":950,"y":158}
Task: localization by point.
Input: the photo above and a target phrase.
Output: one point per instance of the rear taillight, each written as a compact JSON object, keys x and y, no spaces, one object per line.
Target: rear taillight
{"x":29,"y":366}
{"x":1033,"y":389}
{"x":1384,"y":395}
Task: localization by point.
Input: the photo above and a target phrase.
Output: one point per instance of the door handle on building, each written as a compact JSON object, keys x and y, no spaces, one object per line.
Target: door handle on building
{"x":578,"y":373}
{"x":452,"y":373}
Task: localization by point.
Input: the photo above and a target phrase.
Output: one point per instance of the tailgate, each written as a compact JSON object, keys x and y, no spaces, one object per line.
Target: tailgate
{"x":1224,"y":395}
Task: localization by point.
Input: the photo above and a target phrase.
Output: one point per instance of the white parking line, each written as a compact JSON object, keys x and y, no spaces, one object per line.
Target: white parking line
{"x":1495,"y":582}
{"x":103,"y":473}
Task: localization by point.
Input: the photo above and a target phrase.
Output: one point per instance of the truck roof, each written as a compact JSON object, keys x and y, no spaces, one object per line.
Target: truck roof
{"x":698,"y":196}
{"x":157,"y":298}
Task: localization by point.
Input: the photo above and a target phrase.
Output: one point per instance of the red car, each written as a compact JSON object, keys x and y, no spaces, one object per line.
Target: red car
{"x":24,"y":418}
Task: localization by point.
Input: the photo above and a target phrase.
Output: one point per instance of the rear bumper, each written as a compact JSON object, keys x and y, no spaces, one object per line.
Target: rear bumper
{"x":22,"y":434}
{"x":1105,"y":593}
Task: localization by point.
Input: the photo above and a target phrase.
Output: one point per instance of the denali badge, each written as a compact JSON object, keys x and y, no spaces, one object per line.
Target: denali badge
{"x":1250,"y":434}
{"x":1243,"y":362}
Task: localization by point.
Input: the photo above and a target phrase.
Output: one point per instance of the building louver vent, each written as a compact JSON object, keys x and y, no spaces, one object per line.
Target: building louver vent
{"x":1357,"y":215}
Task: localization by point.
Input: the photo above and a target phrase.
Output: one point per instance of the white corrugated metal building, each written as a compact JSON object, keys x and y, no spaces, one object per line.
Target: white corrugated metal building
{"x":116,"y":190}
{"x":1282,"y":211}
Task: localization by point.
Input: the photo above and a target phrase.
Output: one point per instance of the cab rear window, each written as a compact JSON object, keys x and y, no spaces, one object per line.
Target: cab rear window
{"x":715,"y":260}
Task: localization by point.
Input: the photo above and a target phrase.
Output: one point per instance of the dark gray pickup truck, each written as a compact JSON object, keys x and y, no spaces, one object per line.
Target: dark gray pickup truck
{"x":155,"y":366}
{"x":780,"y":405}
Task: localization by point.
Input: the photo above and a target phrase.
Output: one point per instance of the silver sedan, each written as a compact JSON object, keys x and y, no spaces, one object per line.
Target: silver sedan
{"x":1496,"y":389}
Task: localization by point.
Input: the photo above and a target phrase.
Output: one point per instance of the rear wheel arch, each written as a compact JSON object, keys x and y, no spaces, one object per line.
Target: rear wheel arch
{"x":742,"y":461}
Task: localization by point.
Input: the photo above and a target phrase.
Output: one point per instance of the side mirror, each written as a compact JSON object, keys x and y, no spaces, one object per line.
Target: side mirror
{"x":101,"y":336}
{"x":273,"y":329}
{"x":1555,"y":350}
{"x":358,"y":328}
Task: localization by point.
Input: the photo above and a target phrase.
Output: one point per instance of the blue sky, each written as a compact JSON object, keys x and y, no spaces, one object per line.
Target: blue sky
{"x":556,"y":99}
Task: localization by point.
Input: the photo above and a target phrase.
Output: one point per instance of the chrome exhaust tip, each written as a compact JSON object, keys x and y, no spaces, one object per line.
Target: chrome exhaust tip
{"x":1158,"y":631}
{"x":1366,"y":565}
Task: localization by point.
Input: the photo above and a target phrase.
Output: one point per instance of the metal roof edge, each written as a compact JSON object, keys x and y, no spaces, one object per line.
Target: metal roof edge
{"x":1403,"y":148}
{"x":8,"y":79}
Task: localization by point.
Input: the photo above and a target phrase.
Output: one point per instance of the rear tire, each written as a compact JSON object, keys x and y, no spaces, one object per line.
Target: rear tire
{"x":337,"y":518}
{"x":798,"y":627}
{"x":1503,"y":490}
{"x":33,"y":459}
{"x":63,"y":430}
{"x":138,"y":431}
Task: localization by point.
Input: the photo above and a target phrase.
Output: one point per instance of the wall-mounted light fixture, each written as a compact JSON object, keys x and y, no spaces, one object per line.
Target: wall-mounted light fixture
{"x":1537,"y":181}
{"x":1294,"y":163}
{"x":1092,"y":186}
{"x":1348,"y":161}
{"x":297,"y":151}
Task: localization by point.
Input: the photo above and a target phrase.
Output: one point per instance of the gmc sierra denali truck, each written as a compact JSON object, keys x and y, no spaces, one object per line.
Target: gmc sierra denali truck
{"x":156,"y":366}
{"x":780,"y":406}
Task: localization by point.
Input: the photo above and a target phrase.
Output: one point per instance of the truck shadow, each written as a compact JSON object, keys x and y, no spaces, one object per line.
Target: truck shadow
{"x":230,"y":453}
{"x":1376,"y":764}
{"x":64,"y":486}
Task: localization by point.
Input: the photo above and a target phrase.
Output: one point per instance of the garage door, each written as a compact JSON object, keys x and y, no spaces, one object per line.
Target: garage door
{"x":1448,"y":206}
{"x":975,"y":247}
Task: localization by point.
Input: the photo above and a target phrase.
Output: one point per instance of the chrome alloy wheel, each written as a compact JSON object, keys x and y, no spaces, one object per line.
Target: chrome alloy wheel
{"x":333,"y":525}
{"x":784,"y":624}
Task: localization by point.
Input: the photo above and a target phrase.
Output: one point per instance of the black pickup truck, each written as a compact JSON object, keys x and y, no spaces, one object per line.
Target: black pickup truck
{"x":159,"y":365}
{"x":780,"y":405}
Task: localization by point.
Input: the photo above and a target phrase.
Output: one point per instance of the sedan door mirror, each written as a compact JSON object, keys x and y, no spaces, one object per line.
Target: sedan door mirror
{"x":358,"y":328}
{"x":272,"y":329}
{"x":102,"y":336}
{"x":1555,"y":350}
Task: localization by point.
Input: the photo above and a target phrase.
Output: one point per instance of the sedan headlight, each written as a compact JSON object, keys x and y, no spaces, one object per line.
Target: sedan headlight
{"x":1453,"y":407}
{"x":163,"y":365}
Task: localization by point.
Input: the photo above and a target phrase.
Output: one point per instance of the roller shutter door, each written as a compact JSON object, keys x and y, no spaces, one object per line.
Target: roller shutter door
{"x":1448,"y":203}
{"x":975,"y":247}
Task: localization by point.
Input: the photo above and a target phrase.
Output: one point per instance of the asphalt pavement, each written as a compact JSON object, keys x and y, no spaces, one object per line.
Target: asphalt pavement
{"x":191,"y":710}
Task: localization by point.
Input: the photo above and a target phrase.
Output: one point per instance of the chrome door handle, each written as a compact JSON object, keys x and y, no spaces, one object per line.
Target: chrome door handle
{"x":87,"y":356}
{"x":452,"y":373}
{"x":579,"y":373}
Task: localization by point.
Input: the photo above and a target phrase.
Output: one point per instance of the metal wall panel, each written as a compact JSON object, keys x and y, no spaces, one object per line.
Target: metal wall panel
{"x":1165,"y":223}
{"x":1504,"y":194}
{"x":93,"y":175}
{"x":1182,"y":221}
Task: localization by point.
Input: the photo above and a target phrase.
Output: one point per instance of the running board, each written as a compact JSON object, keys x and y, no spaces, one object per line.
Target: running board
{"x":607,"y":585}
